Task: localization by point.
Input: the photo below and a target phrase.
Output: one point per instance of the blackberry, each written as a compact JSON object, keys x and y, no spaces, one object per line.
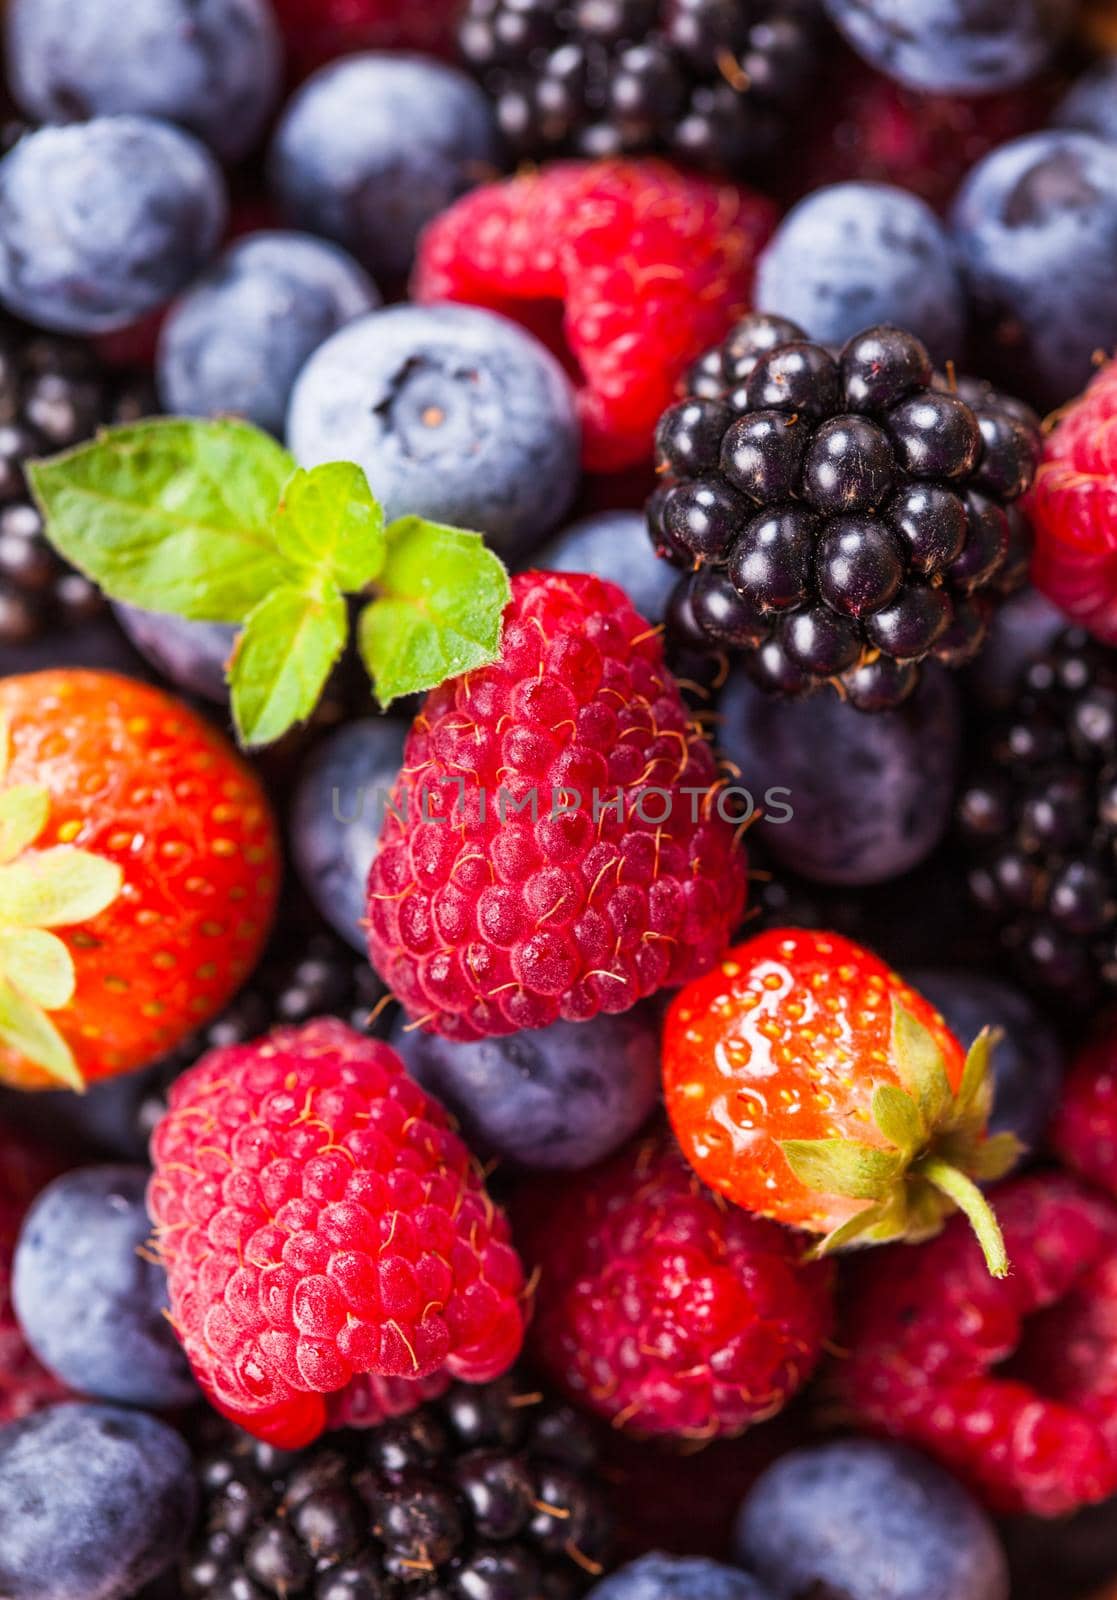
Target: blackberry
{"x":54,"y":393}
{"x":1040,"y":818}
{"x":711,"y":83}
{"x":484,"y":1494}
{"x":842,"y":516}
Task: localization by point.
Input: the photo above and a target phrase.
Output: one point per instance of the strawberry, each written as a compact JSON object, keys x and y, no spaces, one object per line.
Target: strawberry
{"x":138,"y":873}
{"x":810,"y":1084}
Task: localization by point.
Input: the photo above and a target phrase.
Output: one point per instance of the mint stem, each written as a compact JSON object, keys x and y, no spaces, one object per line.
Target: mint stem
{"x":969,"y":1200}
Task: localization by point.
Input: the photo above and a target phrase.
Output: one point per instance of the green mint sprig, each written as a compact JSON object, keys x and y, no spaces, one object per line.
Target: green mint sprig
{"x":213,"y":521}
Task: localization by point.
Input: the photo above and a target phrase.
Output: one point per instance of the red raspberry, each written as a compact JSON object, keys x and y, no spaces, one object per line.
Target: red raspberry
{"x":320,"y":1221}
{"x":665,"y":1309}
{"x":317,"y":31}
{"x":25,"y":1386}
{"x":877,"y":131}
{"x":1084,"y":1131}
{"x":484,"y":919}
{"x":649,"y":267}
{"x":1073,"y":505}
{"x":998,"y":1378}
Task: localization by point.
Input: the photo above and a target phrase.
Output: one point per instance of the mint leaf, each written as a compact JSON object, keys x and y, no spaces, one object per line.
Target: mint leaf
{"x":442,"y":599}
{"x":174,"y":515}
{"x":329,"y":522}
{"x":283,"y":658}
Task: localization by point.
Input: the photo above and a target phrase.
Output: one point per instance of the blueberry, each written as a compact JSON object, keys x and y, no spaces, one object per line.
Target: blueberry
{"x":192,"y":655}
{"x":236,"y":342}
{"x":90,"y":1306}
{"x":613,"y":545}
{"x":856,"y":254}
{"x":212,"y":66}
{"x":867,"y":1521}
{"x":558,"y":1098}
{"x":104,"y":221}
{"x":1027,"y":1063}
{"x":106,"y":1122}
{"x":1021,"y":629}
{"x":337,"y":807}
{"x":98,"y":643}
{"x":454,"y":413}
{"x":871,"y":796}
{"x":96,"y":1502}
{"x":373,"y":147}
{"x":1035,"y":223}
{"x":662,"y":1577}
{"x":953,"y":46}
{"x":1090,"y":104}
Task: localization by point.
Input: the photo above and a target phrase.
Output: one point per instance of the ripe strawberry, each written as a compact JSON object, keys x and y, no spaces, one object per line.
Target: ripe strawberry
{"x":1073,"y":507}
{"x":138,"y":875}
{"x":1084,"y":1131}
{"x":320,"y":1222}
{"x":662,"y":1308}
{"x":1012,"y":1383}
{"x":553,"y":847}
{"x":809,"y":1083}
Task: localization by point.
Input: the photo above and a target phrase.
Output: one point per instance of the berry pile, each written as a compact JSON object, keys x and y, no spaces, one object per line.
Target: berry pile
{"x":53,"y":393}
{"x":505,"y":1089}
{"x":485,"y":1493}
{"x":1041,"y":819}
{"x":713,"y":85}
{"x":846,"y":517}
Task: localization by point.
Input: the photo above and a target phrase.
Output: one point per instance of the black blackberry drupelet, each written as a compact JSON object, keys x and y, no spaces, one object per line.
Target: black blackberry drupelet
{"x":840,"y":517}
{"x":54,"y":393}
{"x":1040,"y":816}
{"x":485,"y":1494}
{"x":712,"y":83}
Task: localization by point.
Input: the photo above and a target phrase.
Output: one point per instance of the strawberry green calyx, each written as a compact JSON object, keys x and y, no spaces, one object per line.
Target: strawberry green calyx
{"x":214,"y":521}
{"x":40,"y":890}
{"x":935,"y":1151}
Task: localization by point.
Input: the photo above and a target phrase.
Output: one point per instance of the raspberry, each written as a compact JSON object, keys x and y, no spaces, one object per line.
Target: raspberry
{"x":1074,"y":510}
{"x":665,"y":1310}
{"x":507,"y":892}
{"x":928,"y":1329}
{"x":877,"y":131}
{"x":25,"y":1386}
{"x":1084,"y":1132}
{"x":317,"y":31}
{"x":647,"y":266}
{"x":319,"y":1222}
